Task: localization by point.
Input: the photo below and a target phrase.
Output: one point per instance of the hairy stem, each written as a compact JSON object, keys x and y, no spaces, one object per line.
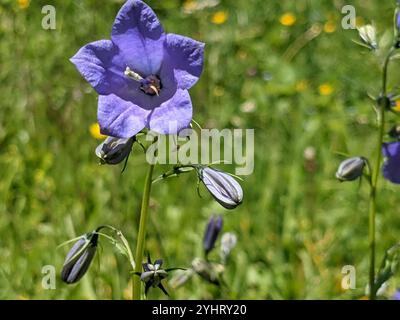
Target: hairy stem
{"x":136,"y":289}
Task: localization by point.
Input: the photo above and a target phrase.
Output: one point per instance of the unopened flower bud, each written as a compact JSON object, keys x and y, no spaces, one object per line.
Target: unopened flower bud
{"x":213,"y":229}
{"x":211,"y":272}
{"x":228,"y":242}
{"x":114,"y":150}
{"x":351,"y":169}
{"x":368,"y":36}
{"x":180,"y":279}
{"x":79,"y":258}
{"x":222,"y":186}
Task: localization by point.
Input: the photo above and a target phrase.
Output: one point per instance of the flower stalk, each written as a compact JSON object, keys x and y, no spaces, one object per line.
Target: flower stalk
{"x":136,"y":289}
{"x":382,"y":107}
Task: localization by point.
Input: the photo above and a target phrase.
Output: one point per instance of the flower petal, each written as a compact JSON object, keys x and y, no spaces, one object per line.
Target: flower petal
{"x":99,"y":63}
{"x":391,"y":168}
{"x":140,"y":37}
{"x":186,"y":56}
{"x":120,"y":118}
{"x":173,"y":115}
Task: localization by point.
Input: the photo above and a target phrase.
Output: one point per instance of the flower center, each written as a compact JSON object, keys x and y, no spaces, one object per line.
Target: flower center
{"x":150,"y":85}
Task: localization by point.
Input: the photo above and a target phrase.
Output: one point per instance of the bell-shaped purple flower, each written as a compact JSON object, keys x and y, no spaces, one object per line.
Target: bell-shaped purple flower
{"x":213,"y":229}
{"x":142,"y":74}
{"x":79,"y":258}
{"x":222,"y":186}
{"x":391,"y":167}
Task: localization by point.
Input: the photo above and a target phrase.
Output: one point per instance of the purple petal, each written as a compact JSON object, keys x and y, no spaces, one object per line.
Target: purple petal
{"x":391,"y":167}
{"x":120,"y":118}
{"x":140,"y":37}
{"x":173,"y":115}
{"x":186,"y":57}
{"x":100,"y":64}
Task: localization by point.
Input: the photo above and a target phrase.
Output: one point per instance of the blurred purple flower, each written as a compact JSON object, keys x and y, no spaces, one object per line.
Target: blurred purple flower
{"x":391,"y":167}
{"x":396,"y":295}
{"x":142,"y":74}
{"x":213,"y":229}
{"x":398,"y":19}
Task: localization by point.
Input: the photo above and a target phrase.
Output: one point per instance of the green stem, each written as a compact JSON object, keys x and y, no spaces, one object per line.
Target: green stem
{"x":136,"y":289}
{"x":382,"y":106}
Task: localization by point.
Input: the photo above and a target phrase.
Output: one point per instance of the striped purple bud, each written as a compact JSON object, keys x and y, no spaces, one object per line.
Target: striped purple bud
{"x":213,"y":229}
{"x":222,"y":186}
{"x":79,"y":258}
{"x":351,"y":169}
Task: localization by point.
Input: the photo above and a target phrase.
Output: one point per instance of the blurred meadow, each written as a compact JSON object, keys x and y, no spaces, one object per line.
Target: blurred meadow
{"x":285,"y":68}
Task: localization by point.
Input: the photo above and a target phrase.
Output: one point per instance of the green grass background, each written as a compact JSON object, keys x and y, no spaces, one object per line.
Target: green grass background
{"x":297,"y":226}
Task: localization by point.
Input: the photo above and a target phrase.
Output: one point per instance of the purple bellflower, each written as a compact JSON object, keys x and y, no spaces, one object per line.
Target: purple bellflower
{"x":213,"y":229}
{"x":391,"y":167}
{"x":142,"y":75}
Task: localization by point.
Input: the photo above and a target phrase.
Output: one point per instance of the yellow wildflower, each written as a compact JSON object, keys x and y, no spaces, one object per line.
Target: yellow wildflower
{"x":23,"y":4}
{"x":287,"y":19}
{"x":95,"y":131}
{"x":329,"y":26}
{"x":219,"y":17}
{"x":397,"y":106}
{"x":325,"y":89}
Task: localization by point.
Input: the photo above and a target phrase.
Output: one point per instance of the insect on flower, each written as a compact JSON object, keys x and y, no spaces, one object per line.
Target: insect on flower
{"x":79,"y":258}
{"x":142,"y":74}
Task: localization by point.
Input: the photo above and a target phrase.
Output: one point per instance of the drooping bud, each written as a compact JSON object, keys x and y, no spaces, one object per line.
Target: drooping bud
{"x":209,"y":271}
{"x":228,"y":242}
{"x":79,"y":258}
{"x":180,"y":279}
{"x":351,"y":169}
{"x":213,"y":229}
{"x":368,"y":36}
{"x":114,"y":150}
{"x":222,"y":186}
